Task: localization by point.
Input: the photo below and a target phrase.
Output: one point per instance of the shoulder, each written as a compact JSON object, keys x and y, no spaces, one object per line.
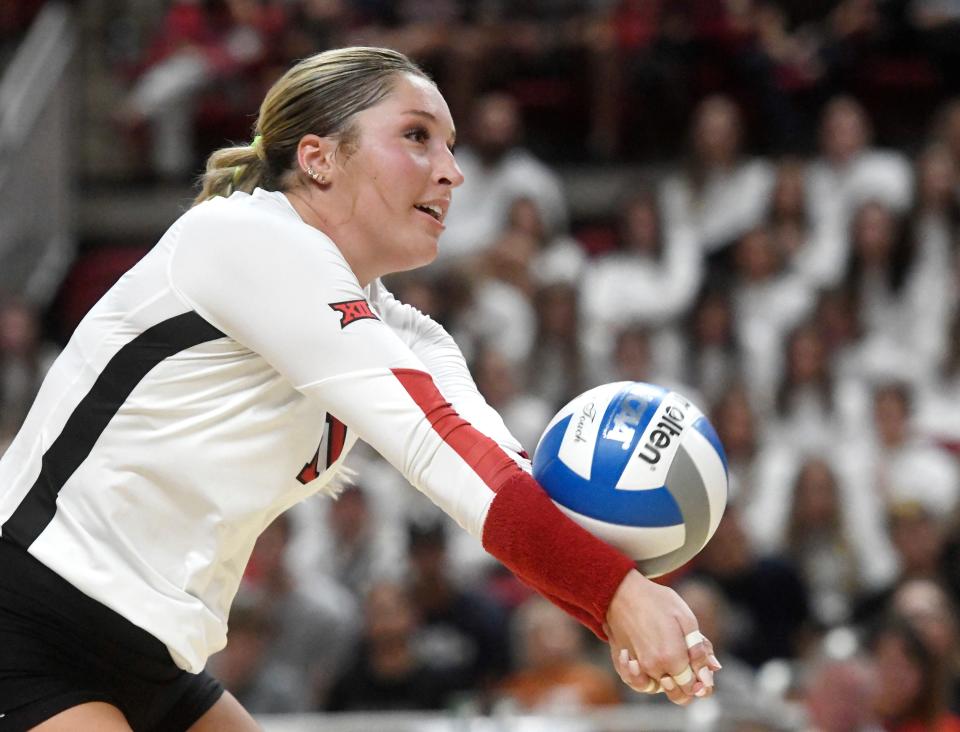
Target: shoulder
{"x":247,"y":224}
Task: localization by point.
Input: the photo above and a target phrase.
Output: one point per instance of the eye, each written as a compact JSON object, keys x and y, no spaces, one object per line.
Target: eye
{"x":418,"y":134}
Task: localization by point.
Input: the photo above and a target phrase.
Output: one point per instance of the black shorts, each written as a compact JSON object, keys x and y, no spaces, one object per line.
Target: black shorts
{"x":60,"y":648}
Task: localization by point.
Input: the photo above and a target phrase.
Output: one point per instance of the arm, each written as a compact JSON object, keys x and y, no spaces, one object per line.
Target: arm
{"x":441,"y":356}
{"x":277,"y":301}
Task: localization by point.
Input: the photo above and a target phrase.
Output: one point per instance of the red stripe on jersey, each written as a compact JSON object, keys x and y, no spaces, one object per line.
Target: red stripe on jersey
{"x":481,"y":453}
{"x":336,"y":437}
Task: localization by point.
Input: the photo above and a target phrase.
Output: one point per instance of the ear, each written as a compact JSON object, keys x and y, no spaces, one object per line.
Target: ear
{"x":317,"y":154}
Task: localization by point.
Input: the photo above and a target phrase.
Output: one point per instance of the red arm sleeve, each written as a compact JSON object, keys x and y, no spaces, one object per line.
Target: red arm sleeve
{"x":551,"y":553}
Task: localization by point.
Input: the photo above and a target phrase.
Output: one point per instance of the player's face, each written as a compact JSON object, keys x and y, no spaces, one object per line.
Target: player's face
{"x":400,"y":178}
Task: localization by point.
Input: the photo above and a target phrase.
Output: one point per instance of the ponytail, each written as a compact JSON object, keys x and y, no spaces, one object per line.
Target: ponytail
{"x":232,"y":169}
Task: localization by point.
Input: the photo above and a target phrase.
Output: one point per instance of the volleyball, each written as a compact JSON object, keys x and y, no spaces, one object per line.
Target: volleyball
{"x":640,"y":467}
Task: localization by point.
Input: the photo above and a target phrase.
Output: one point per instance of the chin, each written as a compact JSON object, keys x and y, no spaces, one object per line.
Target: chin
{"x":417,"y":256}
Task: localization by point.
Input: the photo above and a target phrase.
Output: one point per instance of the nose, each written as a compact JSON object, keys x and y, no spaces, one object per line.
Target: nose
{"x":448,"y":172}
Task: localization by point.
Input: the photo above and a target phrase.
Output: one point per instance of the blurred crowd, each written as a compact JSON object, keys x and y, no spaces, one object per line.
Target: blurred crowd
{"x":777,"y":265}
{"x":586,"y":72}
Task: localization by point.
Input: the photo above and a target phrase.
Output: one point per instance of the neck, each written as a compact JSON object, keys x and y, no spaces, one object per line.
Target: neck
{"x":312,"y":212}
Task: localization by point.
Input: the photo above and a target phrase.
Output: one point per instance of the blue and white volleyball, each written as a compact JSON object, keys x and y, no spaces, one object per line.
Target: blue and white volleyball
{"x":640,"y":467}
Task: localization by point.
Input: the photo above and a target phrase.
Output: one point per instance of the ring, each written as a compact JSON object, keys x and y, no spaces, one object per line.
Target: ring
{"x":684,"y":677}
{"x":652,"y":687}
{"x":694,"y":637}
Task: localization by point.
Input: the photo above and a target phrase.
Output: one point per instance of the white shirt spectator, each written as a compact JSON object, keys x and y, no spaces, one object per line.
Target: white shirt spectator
{"x":872,"y":175}
{"x":622,"y":288}
{"x":479,"y":208}
{"x":863,"y":512}
{"x":729,"y":203}
{"x":764,"y":312}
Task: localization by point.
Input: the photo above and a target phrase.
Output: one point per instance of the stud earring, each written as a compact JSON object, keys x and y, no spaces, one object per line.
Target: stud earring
{"x":321,"y":179}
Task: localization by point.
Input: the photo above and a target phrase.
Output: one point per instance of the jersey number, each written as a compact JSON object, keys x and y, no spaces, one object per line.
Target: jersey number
{"x":336,"y":436}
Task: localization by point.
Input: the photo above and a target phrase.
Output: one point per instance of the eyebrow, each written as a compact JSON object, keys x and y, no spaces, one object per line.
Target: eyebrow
{"x":430,"y":116}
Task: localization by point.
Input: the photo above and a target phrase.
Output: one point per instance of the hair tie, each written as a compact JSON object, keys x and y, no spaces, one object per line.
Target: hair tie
{"x":258,"y":146}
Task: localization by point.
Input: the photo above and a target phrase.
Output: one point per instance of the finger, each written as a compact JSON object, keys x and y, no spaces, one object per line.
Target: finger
{"x":693,"y":638}
{"x":674,"y":693}
{"x":685,"y":677}
{"x":631,"y":674}
{"x":699,"y":652}
{"x":712,"y":661}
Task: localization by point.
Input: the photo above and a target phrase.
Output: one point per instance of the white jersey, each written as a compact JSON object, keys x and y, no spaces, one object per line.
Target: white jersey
{"x":220,"y":381}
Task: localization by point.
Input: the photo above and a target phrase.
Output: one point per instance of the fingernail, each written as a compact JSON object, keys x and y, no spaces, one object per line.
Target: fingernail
{"x":667,"y":683}
{"x":706,"y":676}
{"x":634,"y":667}
{"x":714,"y":662}
{"x":701,"y":692}
{"x":624,"y":656}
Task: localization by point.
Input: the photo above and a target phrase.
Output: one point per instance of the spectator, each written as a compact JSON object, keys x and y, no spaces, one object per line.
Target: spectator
{"x":633,"y":360}
{"x":385,"y":672}
{"x":768,"y":301}
{"x":946,"y":129}
{"x":344,"y":542}
{"x":558,"y":257}
{"x":462,"y":634}
{"x":919,"y":536}
{"x":829,"y":536}
{"x":936,"y":409}
{"x":816,"y":248}
{"x":201,"y":43}
{"x":24,"y":360}
{"x":555,"y":371}
{"x":806,"y":406}
{"x":766,"y":593}
{"x":312,"y":624}
{"x":839,"y":696}
{"x":900,"y":294}
{"x":910,"y":695}
{"x":500,"y":310}
{"x":524,"y":414}
{"x":928,"y":608}
{"x":752,"y":461}
{"x":712,"y":362}
{"x":895,"y":462}
{"x":651,"y":277}
{"x":721,"y":193}
{"x":849,"y":172}
{"x":553,"y":674}
{"x":497,"y":170}
{"x":242,"y":666}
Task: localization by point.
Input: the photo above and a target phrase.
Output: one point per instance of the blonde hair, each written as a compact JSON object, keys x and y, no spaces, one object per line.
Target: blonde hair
{"x":319,"y":95}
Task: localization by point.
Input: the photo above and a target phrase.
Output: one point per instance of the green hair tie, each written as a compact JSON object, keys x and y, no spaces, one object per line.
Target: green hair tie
{"x":257,"y":148}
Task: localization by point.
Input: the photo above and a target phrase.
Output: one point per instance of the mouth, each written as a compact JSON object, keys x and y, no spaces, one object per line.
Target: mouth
{"x":432,"y":210}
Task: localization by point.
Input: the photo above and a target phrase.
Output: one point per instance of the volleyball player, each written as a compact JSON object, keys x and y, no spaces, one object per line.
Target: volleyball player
{"x":226,"y":376}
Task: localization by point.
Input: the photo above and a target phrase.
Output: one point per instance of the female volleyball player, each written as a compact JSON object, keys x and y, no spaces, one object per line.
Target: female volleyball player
{"x":226,"y":376}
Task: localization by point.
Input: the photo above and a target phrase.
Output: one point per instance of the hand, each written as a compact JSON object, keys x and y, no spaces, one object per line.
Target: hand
{"x":651,"y":623}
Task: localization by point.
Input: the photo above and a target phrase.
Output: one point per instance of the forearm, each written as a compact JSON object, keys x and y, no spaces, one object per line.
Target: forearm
{"x":551,"y":553}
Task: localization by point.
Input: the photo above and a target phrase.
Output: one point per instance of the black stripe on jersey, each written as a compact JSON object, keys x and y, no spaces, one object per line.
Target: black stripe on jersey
{"x":83,"y":428}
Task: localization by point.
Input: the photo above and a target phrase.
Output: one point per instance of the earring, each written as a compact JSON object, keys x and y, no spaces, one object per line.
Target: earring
{"x":321,"y":179}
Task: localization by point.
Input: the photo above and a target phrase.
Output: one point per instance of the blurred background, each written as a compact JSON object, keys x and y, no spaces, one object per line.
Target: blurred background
{"x":755,"y":202}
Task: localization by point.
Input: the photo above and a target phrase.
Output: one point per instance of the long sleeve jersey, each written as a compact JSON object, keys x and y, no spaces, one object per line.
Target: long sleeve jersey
{"x":223,"y":379}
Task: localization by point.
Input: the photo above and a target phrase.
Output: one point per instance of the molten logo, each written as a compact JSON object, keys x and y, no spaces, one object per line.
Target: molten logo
{"x":669,"y":426}
{"x":353,"y":310}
